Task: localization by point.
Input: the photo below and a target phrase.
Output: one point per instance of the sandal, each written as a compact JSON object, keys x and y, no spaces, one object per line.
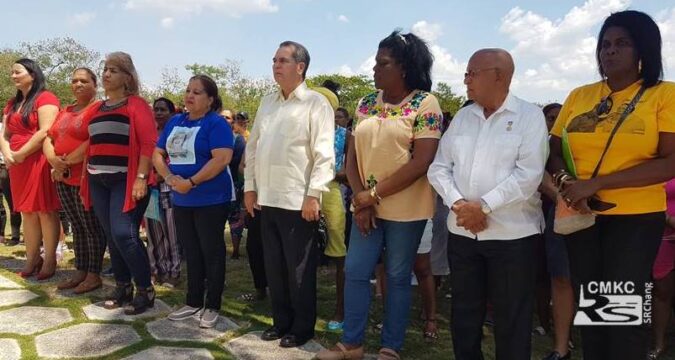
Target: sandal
{"x":250,"y":297}
{"x":122,"y":295}
{"x":430,"y":335}
{"x":87,"y":286}
{"x":340,"y":352}
{"x":70,"y":283}
{"x":144,"y":299}
{"x":388,"y":354}
{"x":654,"y":354}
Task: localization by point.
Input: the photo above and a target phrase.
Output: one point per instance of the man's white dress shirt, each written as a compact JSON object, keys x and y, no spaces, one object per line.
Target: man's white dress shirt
{"x":289,"y":154}
{"x":499,"y":160}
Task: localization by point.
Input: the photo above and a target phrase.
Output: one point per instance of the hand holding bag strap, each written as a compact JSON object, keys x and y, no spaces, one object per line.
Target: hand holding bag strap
{"x":629,"y":109}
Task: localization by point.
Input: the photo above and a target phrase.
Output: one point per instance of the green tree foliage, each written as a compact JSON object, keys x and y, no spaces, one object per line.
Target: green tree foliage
{"x":352,"y":88}
{"x":449,"y":101}
{"x":7,"y":88}
{"x":58,"y":58}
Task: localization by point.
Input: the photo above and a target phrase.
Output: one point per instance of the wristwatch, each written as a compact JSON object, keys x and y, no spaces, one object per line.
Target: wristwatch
{"x":142,"y":176}
{"x":484,"y":207}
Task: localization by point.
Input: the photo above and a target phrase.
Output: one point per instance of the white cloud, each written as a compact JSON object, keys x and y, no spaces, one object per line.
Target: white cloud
{"x":81,"y":19}
{"x":346,"y":70}
{"x":234,"y":8}
{"x":666,"y":22}
{"x":167,"y":22}
{"x":555,"y":55}
{"x":343,"y":18}
{"x":447,"y":68}
{"x":427,"y":31}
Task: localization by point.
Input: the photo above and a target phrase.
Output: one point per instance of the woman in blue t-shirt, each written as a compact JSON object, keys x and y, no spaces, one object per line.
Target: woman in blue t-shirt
{"x":198,"y":146}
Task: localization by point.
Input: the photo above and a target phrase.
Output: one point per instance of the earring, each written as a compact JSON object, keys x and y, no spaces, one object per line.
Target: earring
{"x":640,"y":66}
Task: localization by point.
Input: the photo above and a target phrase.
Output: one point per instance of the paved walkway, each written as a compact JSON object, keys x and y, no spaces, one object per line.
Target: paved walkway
{"x":56,"y":333}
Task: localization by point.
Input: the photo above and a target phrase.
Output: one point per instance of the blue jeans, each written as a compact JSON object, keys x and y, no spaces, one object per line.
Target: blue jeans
{"x":399,"y":240}
{"x":127,"y":252}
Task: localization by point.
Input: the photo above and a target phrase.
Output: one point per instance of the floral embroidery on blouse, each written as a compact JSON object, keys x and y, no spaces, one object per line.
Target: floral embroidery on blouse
{"x":369,"y":106}
{"x":430,"y":121}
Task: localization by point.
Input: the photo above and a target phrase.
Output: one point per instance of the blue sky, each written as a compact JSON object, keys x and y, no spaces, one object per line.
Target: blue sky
{"x":552,"y":41}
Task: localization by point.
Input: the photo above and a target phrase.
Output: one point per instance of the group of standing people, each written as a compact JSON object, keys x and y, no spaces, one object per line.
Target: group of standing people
{"x":612,"y":148}
{"x":95,"y":159}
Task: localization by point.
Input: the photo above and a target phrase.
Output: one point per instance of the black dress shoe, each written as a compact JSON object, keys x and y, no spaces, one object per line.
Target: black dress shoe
{"x":271,"y":334}
{"x":291,"y":341}
{"x":554,"y":355}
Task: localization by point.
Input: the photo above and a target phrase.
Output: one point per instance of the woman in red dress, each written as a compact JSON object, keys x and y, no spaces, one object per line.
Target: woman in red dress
{"x":28,"y":116}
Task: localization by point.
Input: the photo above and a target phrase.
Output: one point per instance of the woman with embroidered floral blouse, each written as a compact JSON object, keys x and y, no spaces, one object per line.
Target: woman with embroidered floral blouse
{"x":396,"y":134}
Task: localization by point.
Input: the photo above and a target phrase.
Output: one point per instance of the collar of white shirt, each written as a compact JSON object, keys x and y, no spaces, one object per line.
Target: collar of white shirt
{"x":300,"y":92}
{"x":510,"y":104}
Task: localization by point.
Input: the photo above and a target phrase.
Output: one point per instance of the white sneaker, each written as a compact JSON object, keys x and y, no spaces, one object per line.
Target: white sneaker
{"x":209,"y":319}
{"x":183,"y":313}
{"x":539,"y":330}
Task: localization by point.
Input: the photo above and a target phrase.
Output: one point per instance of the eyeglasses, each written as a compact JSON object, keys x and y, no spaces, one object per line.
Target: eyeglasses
{"x":475,"y":72}
{"x":604,"y":107}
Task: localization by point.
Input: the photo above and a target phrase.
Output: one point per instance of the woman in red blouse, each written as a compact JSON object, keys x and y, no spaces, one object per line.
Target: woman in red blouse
{"x":28,"y":116}
{"x":64,"y":147}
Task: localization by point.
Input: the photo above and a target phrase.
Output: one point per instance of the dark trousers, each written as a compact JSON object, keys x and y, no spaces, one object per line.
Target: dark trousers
{"x":254,"y":249}
{"x":291,"y":257}
{"x":128,"y":255}
{"x":503,"y":272}
{"x":616,"y":248}
{"x":88,"y":236}
{"x":14,"y":217}
{"x":201,"y":230}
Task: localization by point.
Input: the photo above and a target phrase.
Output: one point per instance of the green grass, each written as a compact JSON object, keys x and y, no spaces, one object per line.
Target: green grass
{"x":256,"y":316}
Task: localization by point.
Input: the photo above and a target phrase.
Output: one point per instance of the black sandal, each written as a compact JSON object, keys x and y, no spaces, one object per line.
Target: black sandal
{"x":122,"y":295}
{"x":433,"y":334}
{"x":144,"y":299}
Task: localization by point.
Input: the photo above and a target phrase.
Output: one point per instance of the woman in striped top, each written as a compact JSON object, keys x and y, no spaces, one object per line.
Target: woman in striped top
{"x":122,"y":136}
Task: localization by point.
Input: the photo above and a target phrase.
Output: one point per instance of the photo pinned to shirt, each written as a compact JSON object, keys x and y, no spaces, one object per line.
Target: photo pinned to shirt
{"x":180,"y":145}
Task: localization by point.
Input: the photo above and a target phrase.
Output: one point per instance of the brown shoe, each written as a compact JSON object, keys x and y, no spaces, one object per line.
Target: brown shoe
{"x":340,"y":352}
{"x":87,"y":286}
{"x":388,"y":354}
{"x":70,"y":283}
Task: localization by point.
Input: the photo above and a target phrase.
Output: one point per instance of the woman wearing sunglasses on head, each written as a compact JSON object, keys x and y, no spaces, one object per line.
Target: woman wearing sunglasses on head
{"x":612,"y":148}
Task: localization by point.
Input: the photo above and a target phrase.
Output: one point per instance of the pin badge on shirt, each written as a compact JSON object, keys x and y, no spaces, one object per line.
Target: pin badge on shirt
{"x":508,"y":127}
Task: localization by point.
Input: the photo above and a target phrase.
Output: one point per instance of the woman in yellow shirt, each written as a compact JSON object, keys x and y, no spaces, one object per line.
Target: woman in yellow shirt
{"x":618,"y":152}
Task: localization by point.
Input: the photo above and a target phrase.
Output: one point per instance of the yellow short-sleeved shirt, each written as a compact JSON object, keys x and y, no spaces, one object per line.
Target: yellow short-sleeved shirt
{"x":635,"y":142}
{"x":383,"y":138}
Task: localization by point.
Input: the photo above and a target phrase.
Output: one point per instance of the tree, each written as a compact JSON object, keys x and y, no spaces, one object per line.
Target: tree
{"x":352,"y":88}
{"x":58,"y":58}
{"x":171,"y":86}
{"x":7,"y":88}
{"x":449,"y":101}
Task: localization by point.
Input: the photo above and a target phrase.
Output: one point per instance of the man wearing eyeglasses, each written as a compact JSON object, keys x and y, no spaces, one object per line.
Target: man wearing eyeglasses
{"x":488,"y":167}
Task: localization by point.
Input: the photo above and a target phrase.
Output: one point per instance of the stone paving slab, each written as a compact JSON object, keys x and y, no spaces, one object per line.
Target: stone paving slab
{"x":189,"y":330}
{"x":9,"y":349}
{"x":6,"y":283}
{"x":26,"y":320}
{"x":85,"y":340}
{"x":16,"y":297}
{"x":98,"y":312}
{"x":251,"y":347}
{"x":173,"y":353}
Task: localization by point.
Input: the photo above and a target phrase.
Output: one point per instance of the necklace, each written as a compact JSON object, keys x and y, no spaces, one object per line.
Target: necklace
{"x":105,"y":107}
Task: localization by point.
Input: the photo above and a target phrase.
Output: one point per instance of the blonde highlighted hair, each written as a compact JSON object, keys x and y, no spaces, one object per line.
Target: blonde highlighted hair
{"x":123,"y":61}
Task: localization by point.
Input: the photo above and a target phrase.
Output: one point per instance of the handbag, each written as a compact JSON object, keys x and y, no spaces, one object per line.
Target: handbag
{"x":321,"y":234}
{"x":567,"y":219}
{"x":154,"y":211}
